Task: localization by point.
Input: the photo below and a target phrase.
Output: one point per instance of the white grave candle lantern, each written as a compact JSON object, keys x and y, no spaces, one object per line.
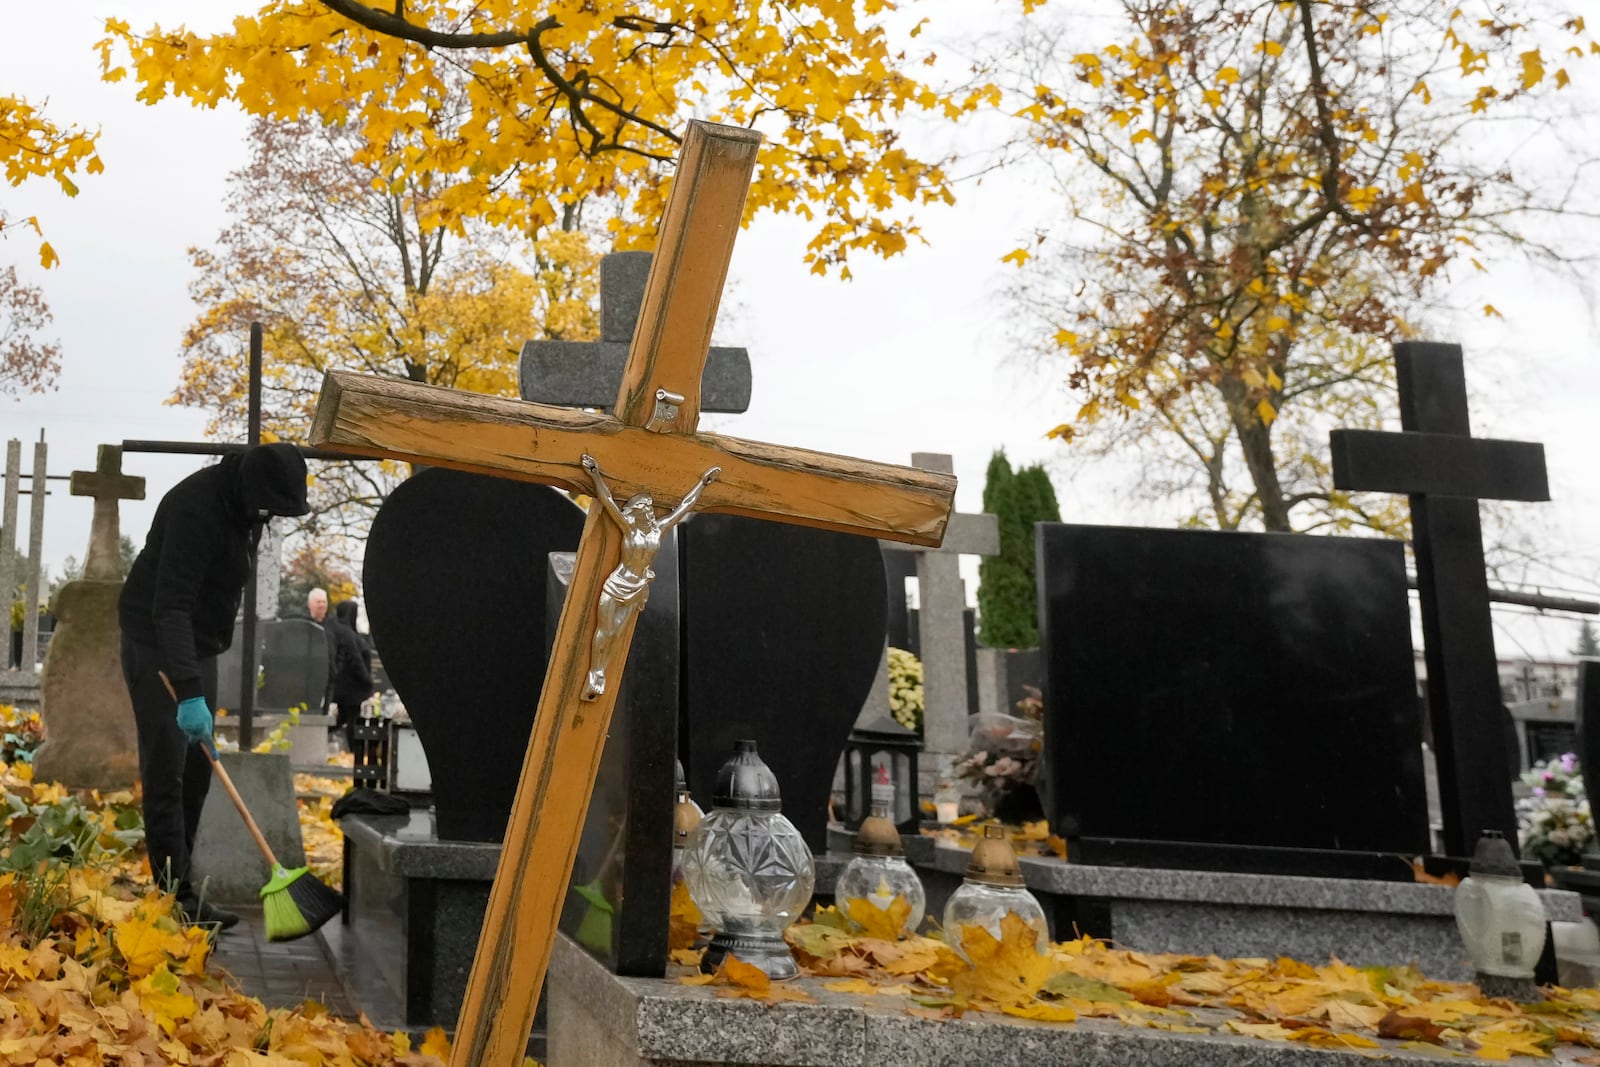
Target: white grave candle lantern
{"x":1501,"y":919}
{"x":748,"y":869}
{"x":879,"y":875}
{"x":992,"y":890}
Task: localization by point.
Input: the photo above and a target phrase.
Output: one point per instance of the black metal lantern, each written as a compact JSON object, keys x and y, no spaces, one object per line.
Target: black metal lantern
{"x":880,"y":767}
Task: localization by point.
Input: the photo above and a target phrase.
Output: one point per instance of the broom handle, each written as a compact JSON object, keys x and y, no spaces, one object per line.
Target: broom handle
{"x":227,"y":783}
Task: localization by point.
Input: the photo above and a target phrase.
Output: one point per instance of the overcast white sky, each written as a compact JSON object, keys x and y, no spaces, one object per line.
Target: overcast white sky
{"x":910,"y":356}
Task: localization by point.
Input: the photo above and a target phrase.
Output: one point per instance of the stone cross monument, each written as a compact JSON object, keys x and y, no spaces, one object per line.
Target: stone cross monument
{"x":942,"y":601}
{"x":90,"y":739}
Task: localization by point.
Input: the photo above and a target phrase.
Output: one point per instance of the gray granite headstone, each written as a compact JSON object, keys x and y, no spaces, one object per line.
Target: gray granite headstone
{"x":586,"y":374}
{"x":226,"y":866}
{"x":292,"y":655}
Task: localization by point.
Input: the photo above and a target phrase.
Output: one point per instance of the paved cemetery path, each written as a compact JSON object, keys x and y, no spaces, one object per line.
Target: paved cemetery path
{"x":280,"y":974}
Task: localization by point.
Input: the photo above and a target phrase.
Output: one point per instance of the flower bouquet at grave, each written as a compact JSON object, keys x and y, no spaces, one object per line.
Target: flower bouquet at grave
{"x":905,"y":689}
{"x":1003,"y":754}
{"x":1555,"y":824}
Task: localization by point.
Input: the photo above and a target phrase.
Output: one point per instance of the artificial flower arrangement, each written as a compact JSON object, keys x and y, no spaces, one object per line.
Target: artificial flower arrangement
{"x":1555,"y":824}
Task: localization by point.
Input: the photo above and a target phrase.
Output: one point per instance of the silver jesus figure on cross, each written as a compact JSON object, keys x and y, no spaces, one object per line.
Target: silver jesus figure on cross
{"x":628,"y":587}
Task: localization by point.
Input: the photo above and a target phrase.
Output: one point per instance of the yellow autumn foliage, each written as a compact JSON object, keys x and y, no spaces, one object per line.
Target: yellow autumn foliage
{"x":568,"y":101}
{"x":33,"y":146}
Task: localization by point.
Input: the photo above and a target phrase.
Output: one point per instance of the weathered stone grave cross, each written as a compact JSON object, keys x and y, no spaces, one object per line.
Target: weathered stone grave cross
{"x":941,"y":624}
{"x":646,"y":455}
{"x":107,"y":485}
{"x":1447,"y":471}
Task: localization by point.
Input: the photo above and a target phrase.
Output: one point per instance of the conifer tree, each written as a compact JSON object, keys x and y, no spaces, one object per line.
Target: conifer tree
{"x":1007,"y":599}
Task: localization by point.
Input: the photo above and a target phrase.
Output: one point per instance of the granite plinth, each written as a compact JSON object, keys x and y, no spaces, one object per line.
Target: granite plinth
{"x":599,"y":1018}
{"x":1218,"y":913}
{"x":414,"y":907}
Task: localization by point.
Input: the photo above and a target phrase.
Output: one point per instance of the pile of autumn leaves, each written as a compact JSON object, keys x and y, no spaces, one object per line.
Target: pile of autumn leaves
{"x":854,"y":950}
{"x":95,"y":969}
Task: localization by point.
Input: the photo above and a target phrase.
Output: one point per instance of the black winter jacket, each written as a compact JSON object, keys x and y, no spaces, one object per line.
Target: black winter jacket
{"x":351,"y":682}
{"x":184,"y":590}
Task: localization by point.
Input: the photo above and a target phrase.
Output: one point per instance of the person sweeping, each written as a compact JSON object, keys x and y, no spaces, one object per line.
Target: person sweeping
{"x":177,"y":611}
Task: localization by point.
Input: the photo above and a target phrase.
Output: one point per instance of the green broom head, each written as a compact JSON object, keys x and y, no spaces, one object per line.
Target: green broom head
{"x":294,"y":903}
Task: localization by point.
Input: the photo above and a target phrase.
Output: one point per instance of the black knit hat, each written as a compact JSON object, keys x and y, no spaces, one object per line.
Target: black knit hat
{"x":272,"y":481}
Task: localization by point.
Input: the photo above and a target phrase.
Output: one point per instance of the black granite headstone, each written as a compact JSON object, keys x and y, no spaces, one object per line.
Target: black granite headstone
{"x":1588,"y":716}
{"x":455,"y":585}
{"x":783,"y":629}
{"x":898,"y":567}
{"x":1230,"y":700}
{"x":619,"y":896}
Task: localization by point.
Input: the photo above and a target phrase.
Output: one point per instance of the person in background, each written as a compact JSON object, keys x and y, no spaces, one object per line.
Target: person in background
{"x":317,"y":608}
{"x":352,"y":666}
{"x":177,"y":610}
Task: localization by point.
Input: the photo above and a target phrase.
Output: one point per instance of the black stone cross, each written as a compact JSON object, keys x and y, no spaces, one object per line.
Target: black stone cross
{"x":1446,"y":471}
{"x":584,"y":374}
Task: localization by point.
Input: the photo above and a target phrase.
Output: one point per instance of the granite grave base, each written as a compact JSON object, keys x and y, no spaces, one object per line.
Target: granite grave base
{"x":308,"y":737}
{"x":413,"y":908}
{"x":599,"y":1018}
{"x":1363,"y":923}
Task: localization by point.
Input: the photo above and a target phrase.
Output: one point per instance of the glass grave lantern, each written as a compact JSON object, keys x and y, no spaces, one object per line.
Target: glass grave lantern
{"x":880,"y":767}
{"x":993,"y":887}
{"x":879,"y":874}
{"x":1502,"y":921}
{"x":748,"y":869}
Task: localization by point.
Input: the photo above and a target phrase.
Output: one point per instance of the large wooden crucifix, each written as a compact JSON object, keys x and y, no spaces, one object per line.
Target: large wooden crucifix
{"x":646,"y":456}
{"x":1446,"y":471}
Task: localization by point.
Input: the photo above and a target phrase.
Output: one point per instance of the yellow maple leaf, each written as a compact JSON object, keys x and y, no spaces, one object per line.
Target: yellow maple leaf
{"x":162,"y":998}
{"x":1317,"y":1037}
{"x":1502,"y":1041}
{"x":737,"y":972}
{"x":683,"y":919}
{"x":145,"y":946}
{"x":436,"y":1044}
{"x":1039,"y":1010}
{"x":1019,"y":256}
{"x":1532,"y":68}
{"x":1009,"y":970}
{"x":888,"y":923}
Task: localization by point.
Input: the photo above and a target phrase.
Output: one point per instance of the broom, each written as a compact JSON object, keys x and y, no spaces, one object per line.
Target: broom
{"x":294,"y":902}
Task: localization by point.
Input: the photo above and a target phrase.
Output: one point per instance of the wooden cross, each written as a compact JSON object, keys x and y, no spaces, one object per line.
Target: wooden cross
{"x":1447,"y":471}
{"x":648,"y":446}
{"x":107,"y":484}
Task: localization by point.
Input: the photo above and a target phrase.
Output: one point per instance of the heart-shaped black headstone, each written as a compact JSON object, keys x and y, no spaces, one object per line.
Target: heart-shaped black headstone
{"x":455,"y":586}
{"x":783,"y":630}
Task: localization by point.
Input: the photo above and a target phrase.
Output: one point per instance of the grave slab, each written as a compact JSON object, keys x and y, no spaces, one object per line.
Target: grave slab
{"x":1362,"y":922}
{"x":599,"y":1018}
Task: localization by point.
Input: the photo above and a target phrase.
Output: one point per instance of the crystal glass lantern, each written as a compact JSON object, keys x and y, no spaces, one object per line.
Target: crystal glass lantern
{"x":993,"y":887}
{"x":878,"y":874}
{"x":1501,"y":919}
{"x":748,"y":869}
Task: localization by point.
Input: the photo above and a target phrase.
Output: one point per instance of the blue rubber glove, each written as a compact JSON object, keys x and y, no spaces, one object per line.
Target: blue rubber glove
{"x":194,"y":719}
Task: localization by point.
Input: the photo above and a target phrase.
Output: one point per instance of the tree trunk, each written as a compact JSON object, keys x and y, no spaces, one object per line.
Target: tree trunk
{"x":1255,"y":441}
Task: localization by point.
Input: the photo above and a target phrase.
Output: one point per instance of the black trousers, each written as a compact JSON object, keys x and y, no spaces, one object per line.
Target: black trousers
{"x":175,"y":771}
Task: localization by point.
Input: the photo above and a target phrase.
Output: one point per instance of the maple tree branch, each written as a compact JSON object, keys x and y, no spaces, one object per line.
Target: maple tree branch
{"x":396,"y":25}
